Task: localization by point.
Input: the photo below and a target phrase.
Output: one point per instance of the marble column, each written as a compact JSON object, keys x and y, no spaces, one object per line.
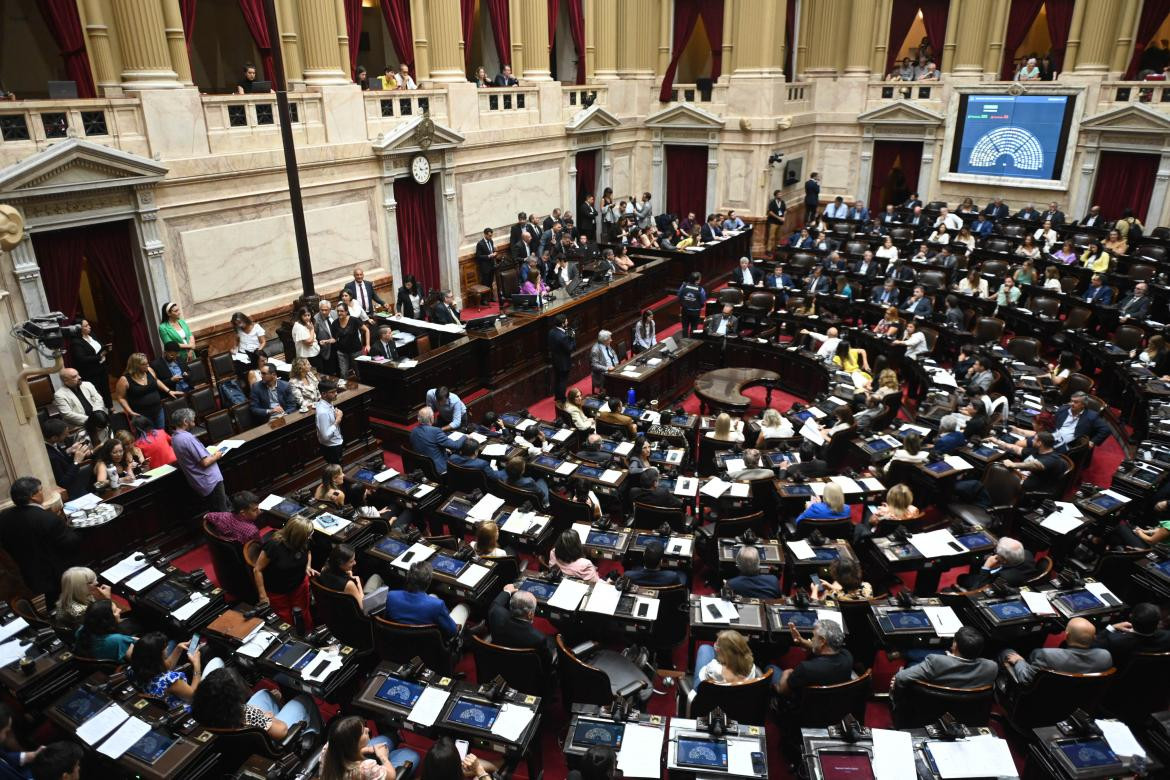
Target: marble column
{"x":1098,"y":36}
{"x":646,"y":60}
{"x":825,"y":37}
{"x":1072,"y":49}
{"x":533,"y":31}
{"x":629,"y":37}
{"x":98,"y":44}
{"x":422,"y":46}
{"x":952,"y":34}
{"x":731,"y":15}
{"x":146,"y":58}
{"x":590,"y":38}
{"x":1123,"y":47}
{"x":606,"y":39}
{"x":881,"y":37}
{"x":665,"y":31}
{"x":993,"y":55}
{"x":290,"y":44}
{"x":319,"y":43}
{"x":177,"y":41}
{"x":860,"y":37}
{"x":758,"y":38}
{"x":973,"y":28}
{"x":342,"y":39}
{"x":446,"y":35}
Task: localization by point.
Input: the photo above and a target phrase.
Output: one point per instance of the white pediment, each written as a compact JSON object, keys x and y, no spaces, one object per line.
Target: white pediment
{"x":592,"y":120}
{"x":1133,"y":118}
{"x":684,"y":116}
{"x":412,"y":136}
{"x":76,"y":166}
{"x":900,"y":112}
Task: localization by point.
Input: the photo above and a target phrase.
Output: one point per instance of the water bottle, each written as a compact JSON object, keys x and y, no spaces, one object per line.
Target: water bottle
{"x":630,"y":397}
{"x":298,"y":621}
{"x":114,"y":479}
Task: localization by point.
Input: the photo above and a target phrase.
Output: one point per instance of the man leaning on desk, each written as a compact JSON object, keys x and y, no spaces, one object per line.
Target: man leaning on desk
{"x":510,"y":620}
{"x":449,"y":410}
{"x":428,"y":440}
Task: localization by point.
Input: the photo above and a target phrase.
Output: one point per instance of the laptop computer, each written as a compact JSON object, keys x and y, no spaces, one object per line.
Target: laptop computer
{"x":62,"y":90}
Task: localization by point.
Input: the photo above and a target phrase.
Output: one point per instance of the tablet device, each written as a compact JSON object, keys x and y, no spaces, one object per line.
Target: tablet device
{"x":152,"y":746}
{"x":598,"y":732}
{"x":288,"y":507}
{"x":548,"y":461}
{"x":702,"y":753}
{"x":593,"y":472}
{"x":601,"y":539}
{"x":168,"y":596}
{"x":513,"y":419}
{"x":400,"y":692}
{"x":800,"y":618}
{"x":364,"y":475}
{"x":294,"y":655}
{"x":543,"y":591}
{"x":473,"y":713}
{"x":608,"y":446}
{"x":1080,"y":600}
{"x":939,"y":467}
{"x":447,"y":565}
{"x":984,"y":451}
{"x":82,"y":705}
{"x":391,"y":547}
{"x":906,"y":620}
{"x":879,"y":445}
{"x":1088,"y":753}
{"x":457,"y":507}
{"x":1009,"y":610}
{"x":681,"y":420}
{"x":401,"y":484}
{"x":975,"y":540}
{"x":827,"y":553}
{"x":798,"y":490}
{"x":645,"y":539}
{"x":1105,"y":503}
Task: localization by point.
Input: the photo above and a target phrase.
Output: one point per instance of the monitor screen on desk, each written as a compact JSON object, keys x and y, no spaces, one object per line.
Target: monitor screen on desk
{"x":798,"y":490}
{"x":457,"y":507}
{"x":288,"y":507}
{"x":1009,"y":610}
{"x":906,"y":620}
{"x":984,"y":451}
{"x":608,"y":446}
{"x":400,"y":692}
{"x":391,"y":547}
{"x":1164,"y":567}
{"x":702,"y":753}
{"x":826,"y":553}
{"x":939,"y":467}
{"x":82,"y":705}
{"x":168,"y":596}
{"x":590,"y":471}
{"x":801,"y":618}
{"x":632,"y":411}
{"x":402,"y":484}
{"x":598,"y":732}
{"x":548,"y":461}
{"x":879,"y":445}
{"x":364,"y":475}
{"x":841,"y":765}
{"x":445,"y":564}
{"x":542,"y":590}
{"x":151,"y":747}
{"x":294,"y":655}
{"x":601,"y":539}
{"x":975,"y":540}
{"x":1104,"y":502}
{"x":804,"y":416}
{"x":513,"y":419}
{"x":475,"y":714}
{"x":1087,"y":753}
{"x":591,"y":404}
{"x":763,"y":551}
{"x":645,"y":539}
{"x":1079,"y":600}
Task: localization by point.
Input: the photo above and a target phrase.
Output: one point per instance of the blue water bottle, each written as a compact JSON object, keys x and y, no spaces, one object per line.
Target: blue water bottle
{"x":630,"y":397}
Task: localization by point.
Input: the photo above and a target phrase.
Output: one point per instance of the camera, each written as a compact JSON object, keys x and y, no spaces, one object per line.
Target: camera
{"x":45,"y":332}
{"x":775,"y":158}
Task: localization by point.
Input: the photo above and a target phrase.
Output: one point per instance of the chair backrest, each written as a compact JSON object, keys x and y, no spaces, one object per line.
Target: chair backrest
{"x":823,"y":705}
{"x":900,"y":234}
{"x":731,"y":527}
{"x":219,"y":425}
{"x":1049,"y":307}
{"x":1044,"y":567}
{"x":1001,"y":484}
{"x":1142,"y":686}
{"x":1024,"y":348}
{"x":402,"y":642}
{"x":523,"y":669}
{"x":172,"y":405}
{"x":932,"y":280}
{"x":761,"y":301}
{"x":565,"y":511}
{"x":647,"y":517}
{"x":203,"y":401}
{"x":516,"y":496}
{"x":237,"y":744}
{"x":232,"y":570}
{"x":1052,"y":696}
{"x":708,"y":448}
{"x":732,"y":295}
{"x":412,"y":459}
{"x":745,"y":702}
{"x":831,"y":529}
{"x":988,"y":329}
{"x":921,"y":703}
{"x":1077,"y":383}
{"x":223,"y":366}
{"x":1155,"y":251}
{"x":1140,"y":272}
{"x":839,"y":447}
{"x":242,"y":414}
{"x":508,"y":280}
{"x":197,"y":373}
{"x":580,"y":682}
{"x":670,"y":629}
{"x":1128,"y":337}
{"x":462,"y":478}
{"x":1078,"y":317}
{"x":422,"y":344}
{"x":342,"y":613}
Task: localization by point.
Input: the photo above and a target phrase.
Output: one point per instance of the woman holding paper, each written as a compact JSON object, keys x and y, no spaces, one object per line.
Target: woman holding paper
{"x":282,"y":571}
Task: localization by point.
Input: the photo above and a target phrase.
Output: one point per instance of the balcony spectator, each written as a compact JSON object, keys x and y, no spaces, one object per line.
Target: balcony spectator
{"x":480,"y":79}
{"x":1029,"y":71}
{"x":403,"y":80}
{"x":930,"y":74}
{"x":506,"y":79}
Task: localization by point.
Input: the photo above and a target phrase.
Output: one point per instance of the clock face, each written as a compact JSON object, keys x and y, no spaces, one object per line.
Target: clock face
{"x":420,"y":169}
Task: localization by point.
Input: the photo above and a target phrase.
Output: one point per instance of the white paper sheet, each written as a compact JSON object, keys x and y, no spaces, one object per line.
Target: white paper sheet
{"x":270,"y":501}
{"x":714,"y":487}
{"x":641,"y":753}
{"x":198,"y":601}
{"x":525,"y":424}
{"x":456,"y":436}
{"x":872,"y":485}
{"x":518,"y":522}
{"x":568,"y":595}
{"x":12,"y":628}
{"x":1116,"y":496}
{"x":944,"y":620}
{"x":651,"y":608}
{"x":423,"y":490}
{"x":472,"y":575}
{"x":428,"y":706}
{"x":566,"y":468}
{"x":957,"y":463}
{"x":421,"y":553}
{"x":817,"y":413}
{"x":142,"y":579}
{"x":512,"y":721}
{"x":982,"y":756}
{"x":846,"y":484}
{"x":726,"y":610}
{"x":623,"y":449}
{"x":739,"y":757}
{"x":330,"y":524}
{"x":131,"y":564}
{"x":937,"y":544}
{"x":812,"y":433}
{"x":603,"y":599}
{"x":830,"y":614}
{"x":686,"y":486}
{"x":582,"y":531}
{"x":485,"y":508}
{"x":893,"y":755}
{"x":494,"y":450}
{"x":101,"y":724}
{"x":562,"y":435}
{"x":335,"y":663}
{"x":1120,"y":738}
{"x":802,"y":550}
{"x":386,"y":476}
{"x":1037,"y":602}
{"x":1100,"y":590}
{"x":1061,"y":523}
{"x":740,"y":490}
{"x":610,"y":476}
{"x":733,"y":465}
{"x":680,"y":547}
{"x":255,"y":647}
{"x":124,"y":738}
{"x":83,"y":503}
{"x":10,"y":651}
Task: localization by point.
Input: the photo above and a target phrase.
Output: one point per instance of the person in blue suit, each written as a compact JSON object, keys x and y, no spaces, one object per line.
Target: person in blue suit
{"x":779,"y":280}
{"x":468,"y":458}
{"x":751,"y":582}
{"x":514,"y":476}
{"x":415,"y":607}
{"x":950,"y":438}
{"x":1074,"y":421}
{"x":918,"y":305}
{"x":426,"y":439}
{"x":651,"y":573}
{"x":271,"y":395}
{"x":1098,"y":293}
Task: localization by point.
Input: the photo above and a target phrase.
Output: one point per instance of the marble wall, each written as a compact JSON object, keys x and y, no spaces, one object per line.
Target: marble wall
{"x":493,"y":198}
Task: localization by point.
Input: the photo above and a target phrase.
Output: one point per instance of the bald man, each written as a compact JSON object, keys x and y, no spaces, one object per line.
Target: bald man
{"x":1078,"y":656}
{"x":75,"y":399}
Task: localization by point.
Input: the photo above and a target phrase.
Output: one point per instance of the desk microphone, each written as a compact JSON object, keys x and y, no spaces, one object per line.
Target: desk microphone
{"x":904,"y":599}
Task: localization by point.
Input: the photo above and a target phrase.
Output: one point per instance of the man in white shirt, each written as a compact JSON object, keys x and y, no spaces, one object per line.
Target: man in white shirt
{"x":723,"y":324}
{"x":76,"y":400}
{"x":403,"y":79}
{"x":828,"y":342}
{"x":945,"y":217}
{"x":837,"y":209}
{"x":329,"y":424}
{"x":747,"y":275}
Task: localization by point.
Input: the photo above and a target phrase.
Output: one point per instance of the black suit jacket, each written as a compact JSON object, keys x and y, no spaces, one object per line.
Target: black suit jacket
{"x":1056,"y":217}
{"x":521,"y":250}
{"x":87,"y":362}
{"x":379,"y":348}
{"x":441,"y":315}
{"x":514,"y":233}
{"x":66,"y":473}
{"x":911,"y":203}
{"x":40,"y":542}
{"x":812,"y":192}
{"x":659,"y":496}
{"x":485,"y":249}
{"x":560,"y":349}
{"x":587,"y":219}
{"x":1012,"y":575}
{"x":505,"y":81}
{"x":996,"y":212}
{"x":509,"y":632}
{"x":351,"y":287}
{"x":1134,"y":308}
{"x":163,"y":372}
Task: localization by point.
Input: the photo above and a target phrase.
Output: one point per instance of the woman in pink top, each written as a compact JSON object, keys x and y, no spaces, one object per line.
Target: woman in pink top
{"x":535,"y":285}
{"x":568,"y":556}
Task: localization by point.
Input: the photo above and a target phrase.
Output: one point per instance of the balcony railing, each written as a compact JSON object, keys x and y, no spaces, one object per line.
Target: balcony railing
{"x":33,"y":125}
{"x":915,"y":91}
{"x":384,"y":110}
{"x":1116,"y":93}
{"x":798,"y":97}
{"x":508,"y":107}
{"x":578,"y":97}
{"x":238,"y":123}
{"x":692,"y":93}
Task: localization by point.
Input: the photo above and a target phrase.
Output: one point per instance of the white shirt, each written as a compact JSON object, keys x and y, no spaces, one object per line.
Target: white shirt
{"x":887,"y":252}
{"x":916,"y":345}
{"x":952,"y":221}
{"x":93,"y":343}
{"x":837,"y":211}
{"x":250,"y":340}
{"x":399,"y":78}
{"x":935,"y":238}
{"x":828,"y":346}
{"x":1052,"y":284}
{"x":1067,"y":432}
{"x":328,"y":433}
{"x":746,"y":276}
{"x":781,"y":431}
{"x":300,"y":333}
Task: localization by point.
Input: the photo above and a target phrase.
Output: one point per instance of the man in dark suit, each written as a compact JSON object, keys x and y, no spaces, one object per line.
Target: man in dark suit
{"x":711,"y":229}
{"x":66,"y":460}
{"x":651,"y":574}
{"x":384,"y":347}
{"x":1053,"y":215}
{"x":552,"y":219}
{"x":561,"y":344}
{"x":779,"y":279}
{"x":39,"y":541}
{"x":1098,"y":293}
{"x":429,"y":440}
{"x":825,"y":243}
{"x":912,"y":202}
{"x":521,"y":249}
{"x":468,"y":457}
{"x":516,"y":229}
{"x":812,"y":196}
{"x":1028,"y":212}
{"x":889,"y":218}
{"x":962,"y":666}
{"x":750,"y":582}
{"x":918,"y":305}
{"x":1136,"y":305}
{"x":777,"y":208}
{"x":1093,"y":218}
{"x":444,"y":312}
{"x":485,"y":257}
{"x":997,"y":209}
{"x":363,"y":292}
{"x":654,"y":494}
{"x":982,"y":226}
{"x":1074,"y":421}
{"x":858,"y":212}
{"x":171,"y":368}
{"x":1140,"y":634}
{"x":587,"y":216}
{"x":747,"y":274}
{"x":1010,"y":562}
{"x":724,"y":323}
{"x":591,"y":451}
{"x":817,"y":281}
{"x":506,"y":79}
{"x":887,"y":294}
{"x":867,"y":266}
{"x":918,"y":221}
{"x":510,"y":620}
{"x":514,"y":475}
{"x":271,"y":395}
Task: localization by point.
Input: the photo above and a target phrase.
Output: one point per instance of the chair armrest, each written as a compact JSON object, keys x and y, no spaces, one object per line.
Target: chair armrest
{"x":631,"y":688}
{"x":583,"y":648}
{"x":686,"y":692}
{"x":292,"y":737}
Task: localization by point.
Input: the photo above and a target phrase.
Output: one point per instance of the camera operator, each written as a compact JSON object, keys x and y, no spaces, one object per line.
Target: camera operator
{"x":562,"y":340}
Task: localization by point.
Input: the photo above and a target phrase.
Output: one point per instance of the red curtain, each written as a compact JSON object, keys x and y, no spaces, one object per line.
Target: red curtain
{"x":1020,"y":20}
{"x":1153,"y":14}
{"x":586,"y":175}
{"x":187,"y":10}
{"x":889,"y":157}
{"x":686,"y":16}
{"x":577,"y":30}
{"x":934,"y":18}
{"x":65,"y":25}
{"x":467,"y":17}
{"x":397,"y":15}
{"x":1059,"y":14}
{"x":789,"y":24}
{"x":501,"y":31}
{"x":901,"y":20}
{"x":61,"y":254}
{"x":711,"y":11}
{"x":353,"y":31}
{"x":554,"y":8}
{"x":686,"y":180}
{"x":417,"y":231}
{"x":258,"y":26}
{"x":1125,"y":180}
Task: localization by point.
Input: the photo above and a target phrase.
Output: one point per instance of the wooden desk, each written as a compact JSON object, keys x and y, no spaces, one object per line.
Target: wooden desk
{"x":722,"y":389}
{"x":653,"y":376}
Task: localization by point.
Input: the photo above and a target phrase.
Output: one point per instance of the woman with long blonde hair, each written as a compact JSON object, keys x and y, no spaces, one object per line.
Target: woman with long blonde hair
{"x":282,"y":570}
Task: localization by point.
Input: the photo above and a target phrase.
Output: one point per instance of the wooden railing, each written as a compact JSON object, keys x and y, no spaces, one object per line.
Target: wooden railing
{"x":1117,"y":93}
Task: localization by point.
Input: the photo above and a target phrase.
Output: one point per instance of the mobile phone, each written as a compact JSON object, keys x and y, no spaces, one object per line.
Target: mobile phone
{"x":713,"y":610}
{"x":758,"y":765}
{"x":193,"y":645}
{"x":461,"y":745}
{"x":816,"y":579}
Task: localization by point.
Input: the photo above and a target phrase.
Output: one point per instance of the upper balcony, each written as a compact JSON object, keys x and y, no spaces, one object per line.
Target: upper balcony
{"x":248,"y":123}
{"x":30,"y":126}
{"x":1153,"y":94}
{"x":384,"y":110}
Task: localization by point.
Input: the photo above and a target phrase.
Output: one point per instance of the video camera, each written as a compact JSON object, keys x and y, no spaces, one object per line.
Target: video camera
{"x":45,"y":332}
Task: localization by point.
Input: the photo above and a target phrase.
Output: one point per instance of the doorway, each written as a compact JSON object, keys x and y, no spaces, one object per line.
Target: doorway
{"x":586,"y":163}
{"x":1125,"y":181}
{"x":895,"y":173}
{"x":686,"y":181}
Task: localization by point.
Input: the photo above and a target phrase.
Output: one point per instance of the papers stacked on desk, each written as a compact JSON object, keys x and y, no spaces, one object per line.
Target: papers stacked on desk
{"x":426,"y":710}
{"x":957,"y":463}
{"x":420,"y":553}
{"x":802,"y":550}
{"x":131,"y":730}
{"x":847,"y":485}
{"x":270,"y":501}
{"x":980,"y":756}
{"x":610,"y":476}
{"x":525,"y":424}
{"x":716,"y":610}
{"x":641,"y":753}
{"x":740,"y":490}
{"x":603,"y":599}
{"x":566,"y":468}
{"x":12,"y":628}
{"x":144,"y":578}
{"x":812,"y":433}
{"x":11,"y":651}
{"x":257,"y":643}
{"x":732,"y":465}
{"x":893,"y":754}
{"x":131,"y":564}
{"x":197,"y":602}
{"x":944,"y":620}
{"x":495,"y":450}
{"x":84,"y":503}
{"x":329,"y":524}
{"x":472,"y":575}
{"x":1066,"y":518}
{"x":485,"y":508}
{"x":512,"y":721}
{"x":562,"y":435}
{"x":624,"y":448}
{"x":1037,"y":602}
{"x":714,"y":487}
{"x":943,"y":377}
{"x":686,"y":486}
{"x":101,"y":724}
{"x":568,"y":595}
{"x":937,"y":544}
{"x":1101,"y":591}
{"x":1120,"y":738}
{"x":326,"y":663}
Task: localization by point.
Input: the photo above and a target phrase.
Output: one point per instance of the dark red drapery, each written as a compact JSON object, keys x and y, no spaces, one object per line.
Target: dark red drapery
{"x":1059,"y":14}
{"x":1124,"y":181}
{"x":934,"y":18}
{"x":353,"y":31}
{"x":258,"y":26}
{"x":1020,"y":19}
{"x":577,"y":30}
{"x":686,"y":180}
{"x":554,"y":8}
{"x":686,"y":17}
{"x":1153,"y":14}
{"x":789,"y":24}
{"x":501,"y":31}
{"x":467,"y":19}
{"x":905,"y":156}
{"x":397,"y":16}
{"x":901,"y":20}
{"x":65,"y":26}
{"x":586,"y":175}
{"x":61,"y":255}
{"x":417,"y":230}
{"x":187,"y":11}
